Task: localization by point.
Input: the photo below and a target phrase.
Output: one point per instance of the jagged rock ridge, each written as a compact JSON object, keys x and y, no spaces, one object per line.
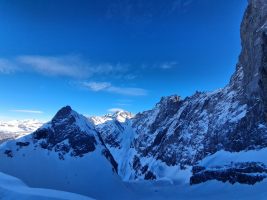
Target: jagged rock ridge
{"x":183,"y":131}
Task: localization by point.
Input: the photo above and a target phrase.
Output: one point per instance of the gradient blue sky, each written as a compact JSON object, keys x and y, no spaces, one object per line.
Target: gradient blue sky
{"x":100,"y":55}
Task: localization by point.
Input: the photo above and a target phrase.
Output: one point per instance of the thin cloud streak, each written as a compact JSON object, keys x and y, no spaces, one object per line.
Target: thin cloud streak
{"x":57,"y":66}
{"x":114,"y":110}
{"x":70,"y":66}
{"x":6,"y":67}
{"x":67,"y":66}
{"x":28,"y":111}
{"x":108,"y":87}
{"x":168,"y":65}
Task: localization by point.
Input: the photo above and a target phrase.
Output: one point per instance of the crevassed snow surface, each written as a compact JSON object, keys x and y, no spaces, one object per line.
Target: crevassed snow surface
{"x":12,"y":188}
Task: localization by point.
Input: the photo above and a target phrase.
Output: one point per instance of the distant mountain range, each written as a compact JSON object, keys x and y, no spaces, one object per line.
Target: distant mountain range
{"x":17,"y":128}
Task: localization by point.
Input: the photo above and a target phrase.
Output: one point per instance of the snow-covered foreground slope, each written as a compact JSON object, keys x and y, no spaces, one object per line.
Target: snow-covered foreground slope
{"x":158,"y":190}
{"x":65,"y":154}
{"x":17,"y":128}
{"x":12,"y":188}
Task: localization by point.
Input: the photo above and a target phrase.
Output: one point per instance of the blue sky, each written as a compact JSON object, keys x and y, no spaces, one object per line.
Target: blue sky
{"x":106,"y":54}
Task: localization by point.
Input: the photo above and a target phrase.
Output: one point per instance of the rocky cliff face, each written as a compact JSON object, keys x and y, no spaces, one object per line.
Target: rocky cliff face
{"x":183,"y":131}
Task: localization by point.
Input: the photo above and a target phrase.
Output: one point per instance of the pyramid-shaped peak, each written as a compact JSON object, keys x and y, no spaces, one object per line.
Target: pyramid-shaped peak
{"x":63,"y":112}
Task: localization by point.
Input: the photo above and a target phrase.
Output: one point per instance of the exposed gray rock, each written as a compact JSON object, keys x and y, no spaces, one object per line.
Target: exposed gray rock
{"x":183,"y":131}
{"x":244,"y":173}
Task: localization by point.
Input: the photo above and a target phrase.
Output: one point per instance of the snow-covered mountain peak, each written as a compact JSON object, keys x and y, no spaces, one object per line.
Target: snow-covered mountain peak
{"x":68,"y":117}
{"x":63,"y":112}
{"x":67,"y":132}
{"x":120,"y":116}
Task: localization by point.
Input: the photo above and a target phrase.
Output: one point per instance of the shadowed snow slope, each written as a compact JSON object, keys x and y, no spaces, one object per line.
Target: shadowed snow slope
{"x":13,"y":188}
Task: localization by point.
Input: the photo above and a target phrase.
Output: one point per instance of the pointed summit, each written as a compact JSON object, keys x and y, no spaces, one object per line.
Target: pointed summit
{"x":68,"y":126}
{"x":63,"y":112}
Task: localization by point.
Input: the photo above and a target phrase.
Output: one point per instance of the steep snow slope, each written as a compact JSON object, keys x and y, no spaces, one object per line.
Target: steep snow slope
{"x":17,"y":128}
{"x":117,"y":135}
{"x":64,"y":154}
{"x":13,"y":188}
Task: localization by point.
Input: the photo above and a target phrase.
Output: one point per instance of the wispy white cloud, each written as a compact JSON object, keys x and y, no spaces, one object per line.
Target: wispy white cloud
{"x":113,"y":110}
{"x":168,"y":65}
{"x":128,"y":91}
{"x":97,"y":86}
{"x":27,"y":111}
{"x":108,"y":87}
{"x":161,"y":65}
{"x":69,"y":66}
{"x":6,"y":67}
{"x":77,"y":67}
{"x":123,"y":104}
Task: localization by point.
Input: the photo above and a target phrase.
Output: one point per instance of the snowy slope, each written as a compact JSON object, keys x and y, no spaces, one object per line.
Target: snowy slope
{"x":13,"y":188}
{"x":159,"y":190}
{"x":65,"y":154}
{"x":225,"y":157}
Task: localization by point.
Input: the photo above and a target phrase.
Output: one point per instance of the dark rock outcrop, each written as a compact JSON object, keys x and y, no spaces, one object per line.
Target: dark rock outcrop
{"x":244,"y":173}
{"x":67,"y":130}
